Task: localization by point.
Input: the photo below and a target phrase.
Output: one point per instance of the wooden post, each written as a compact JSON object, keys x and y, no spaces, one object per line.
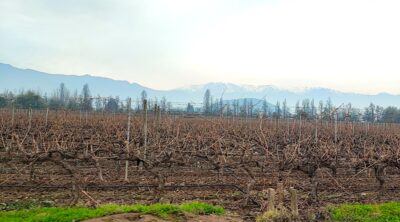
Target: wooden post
{"x":13,"y":114}
{"x":155,"y":116}
{"x":128,"y":134}
{"x":280,"y":195}
{"x":97,"y":163}
{"x":316,"y":129}
{"x":248,"y":188}
{"x":336,"y":127}
{"x":314,"y":189}
{"x":288,"y":127}
{"x":30,"y":118}
{"x":300,"y":128}
{"x":158,"y":117}
{"x":145,"y":127}
{"x":47,"y":116}
{"x":294,"y":202}
{"x":100,"y":171}
{"x":159,"y":113}
{"x":271,"y":199}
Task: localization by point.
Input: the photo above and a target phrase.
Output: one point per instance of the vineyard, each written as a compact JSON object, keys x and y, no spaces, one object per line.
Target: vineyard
{"x":72,"y":157}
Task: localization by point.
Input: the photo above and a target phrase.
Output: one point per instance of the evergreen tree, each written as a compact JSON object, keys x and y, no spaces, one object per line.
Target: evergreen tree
{"x":28,"y":100}
{"x":3,"y":102}
{"x":86,"y":98}
{"x":207,"y":102}
{"x":189,"y":108}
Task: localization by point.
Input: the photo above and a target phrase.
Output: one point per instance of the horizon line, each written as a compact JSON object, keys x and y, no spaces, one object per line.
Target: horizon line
{"x":299,"y":90}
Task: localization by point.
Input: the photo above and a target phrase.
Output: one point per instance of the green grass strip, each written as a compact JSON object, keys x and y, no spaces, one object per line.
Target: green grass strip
{"x":385,"y":212}
{"x":82,"y":213}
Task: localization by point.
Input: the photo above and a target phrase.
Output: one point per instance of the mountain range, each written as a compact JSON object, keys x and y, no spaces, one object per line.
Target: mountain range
{"x":16,"y":79}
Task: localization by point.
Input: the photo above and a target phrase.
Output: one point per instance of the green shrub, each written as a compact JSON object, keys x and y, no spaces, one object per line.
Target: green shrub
{"x":385,"y":212}
{"x":82,"y":213}
{"x":282,"y":215}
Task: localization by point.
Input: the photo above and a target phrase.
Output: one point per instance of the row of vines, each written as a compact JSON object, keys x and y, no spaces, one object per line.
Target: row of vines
{"x":78,"y":151}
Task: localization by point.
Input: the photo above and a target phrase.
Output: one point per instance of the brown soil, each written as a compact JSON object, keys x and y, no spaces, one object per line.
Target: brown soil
{"x":148,"y":218}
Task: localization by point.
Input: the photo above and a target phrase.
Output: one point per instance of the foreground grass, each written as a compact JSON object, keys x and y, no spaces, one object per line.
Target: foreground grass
{"x":367,"y":212}
{"x":82,"y":213}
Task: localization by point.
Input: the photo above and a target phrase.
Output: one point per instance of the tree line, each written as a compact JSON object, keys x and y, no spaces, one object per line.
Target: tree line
{"x":305,"y":109}
{"x":63,"y":99}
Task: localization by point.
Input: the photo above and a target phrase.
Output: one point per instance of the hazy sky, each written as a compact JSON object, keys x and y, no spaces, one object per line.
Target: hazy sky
{"x":346,"y":45}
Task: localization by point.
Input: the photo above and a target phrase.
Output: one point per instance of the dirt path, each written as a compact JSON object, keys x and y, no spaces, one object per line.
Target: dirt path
{"x":129,"y":217}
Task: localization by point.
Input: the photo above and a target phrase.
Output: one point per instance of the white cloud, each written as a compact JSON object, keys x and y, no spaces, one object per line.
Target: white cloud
{"x":341,"y":44}
{"x":348,"y":45}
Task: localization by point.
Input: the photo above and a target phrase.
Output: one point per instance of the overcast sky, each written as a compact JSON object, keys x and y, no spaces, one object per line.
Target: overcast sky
{"x":346,"y":45}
